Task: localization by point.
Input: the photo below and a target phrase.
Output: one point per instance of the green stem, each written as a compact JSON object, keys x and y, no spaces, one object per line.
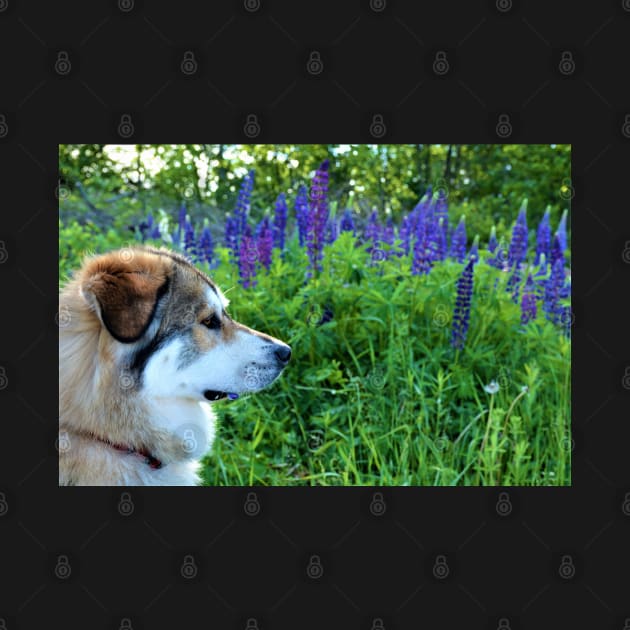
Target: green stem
{"x":485,"y":437}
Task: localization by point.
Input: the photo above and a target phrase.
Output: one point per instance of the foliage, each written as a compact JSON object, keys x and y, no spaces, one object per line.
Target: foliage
{"x":376,"y":393}
{"x":484,"y":182}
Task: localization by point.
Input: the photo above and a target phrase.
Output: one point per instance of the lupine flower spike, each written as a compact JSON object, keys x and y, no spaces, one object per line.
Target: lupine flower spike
{"x":205,"y":248}
{"x":264,"y":243}
{"x":241,"y":211}
{"x":347,"y":222}
{"x":528,"y":301}
{"x":190,"y":246}
{"x":518,"y":245}
{"x":280,"y":222}
{"x":301,"y":214}
{"x":458,"y":242}
{"x":543,"y":237}
{"x":247,"y":259}
{"x":317,"y":216}
{"x":461,"y":314}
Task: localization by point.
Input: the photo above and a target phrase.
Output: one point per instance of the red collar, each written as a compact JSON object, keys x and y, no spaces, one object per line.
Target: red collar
{"x":149,"y":459}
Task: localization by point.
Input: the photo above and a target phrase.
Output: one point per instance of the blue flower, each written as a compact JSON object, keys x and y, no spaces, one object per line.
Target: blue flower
{"x":459,"y":240}
{"x":243,"y":202}
{"x":517,"y":252}
{"x":405,"y":234}
{"x":264,"y":243}
{"x":461,"y":314}
{"x":231,"y":237}
{"x":332,"y":231}
{"x":301,"y":214}
{"x":422,"y":261}
{"x":528,"y":301}
{"x":317,"y":217}
{"x":553,"y":287}
{"x":280,"y":222}
{"x":347,"y":222}
{"x":557,"y":253}
{"x":442,"y":244}
{"x":543,"y":237}
{"x":205,"y":247}
{"x":441,"y":211}
{"x":372,"y":232}
{"x":248,"y":255}
{"x":190,"y":245}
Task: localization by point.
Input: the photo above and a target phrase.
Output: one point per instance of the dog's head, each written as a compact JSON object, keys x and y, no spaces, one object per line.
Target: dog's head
{"x":170,"y":333}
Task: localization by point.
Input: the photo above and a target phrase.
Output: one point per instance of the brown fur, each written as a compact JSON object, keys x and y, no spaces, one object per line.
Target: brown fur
{"x":112,"y":299}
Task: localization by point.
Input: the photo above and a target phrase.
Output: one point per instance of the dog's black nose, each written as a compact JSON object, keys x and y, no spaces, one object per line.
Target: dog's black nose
{"x":283,"y":353}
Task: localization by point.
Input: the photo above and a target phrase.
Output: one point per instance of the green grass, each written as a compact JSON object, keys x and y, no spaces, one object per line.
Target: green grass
{"x":376,"y":395}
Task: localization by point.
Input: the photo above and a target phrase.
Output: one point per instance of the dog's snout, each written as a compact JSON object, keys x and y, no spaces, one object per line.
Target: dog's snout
{"x":283,"y":353}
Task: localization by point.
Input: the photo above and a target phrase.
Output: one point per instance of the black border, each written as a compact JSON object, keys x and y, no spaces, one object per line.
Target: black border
{"x":377,"y":60}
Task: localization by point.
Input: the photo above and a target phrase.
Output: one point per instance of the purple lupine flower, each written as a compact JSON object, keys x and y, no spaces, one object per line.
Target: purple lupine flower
{"x":231,"y":237}
{"x":528,"y":301}
{"x":280,"y":222}
{"x":205,"y":246}
{"x":518,"y":245}
{"x":332,"y":230}
{"x":492,"y":242}
{"x":441,"y":211}
{"x":442,"y":244}
{"x":551,"y":304}
{"x":514,"y":283}
{"x":372,"y":231}
{"x":388,"y":236}
{"x":140,"y":229}
{"x":190,"y":246}
{"x":301,"y":214}
{"x":459,"y":240}
{"x":243,"y":201}
{"x":556,"y":251}
{"x":388,"y":232}
{"x":543,"y":237}
{"x":318,"y":214}
{"x":264,"y":243}
{"x":540,"y":277}
{"x":461,"y":314}
{"x":248,"y":254}
{"x":422,"y":261}
{"x":347,"y":222}
{"x":405,"y":235}
{"x":499,"y":260}
{"x":154,"y":229}
{"x":561,"y":232}
{"x":372,"y":236}
{"x":432,"y":228}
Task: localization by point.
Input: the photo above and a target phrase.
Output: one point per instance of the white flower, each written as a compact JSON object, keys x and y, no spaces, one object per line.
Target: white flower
{"x":492,"y":387}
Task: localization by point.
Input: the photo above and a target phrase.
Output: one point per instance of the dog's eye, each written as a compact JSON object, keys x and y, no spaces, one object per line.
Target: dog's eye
{"x":212,"y":322}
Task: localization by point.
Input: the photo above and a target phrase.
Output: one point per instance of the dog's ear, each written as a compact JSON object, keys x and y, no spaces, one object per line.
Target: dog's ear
{"x":125,"y":293}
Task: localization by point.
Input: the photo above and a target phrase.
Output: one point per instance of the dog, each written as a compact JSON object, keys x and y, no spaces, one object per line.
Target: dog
{"x":145,"y":347}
